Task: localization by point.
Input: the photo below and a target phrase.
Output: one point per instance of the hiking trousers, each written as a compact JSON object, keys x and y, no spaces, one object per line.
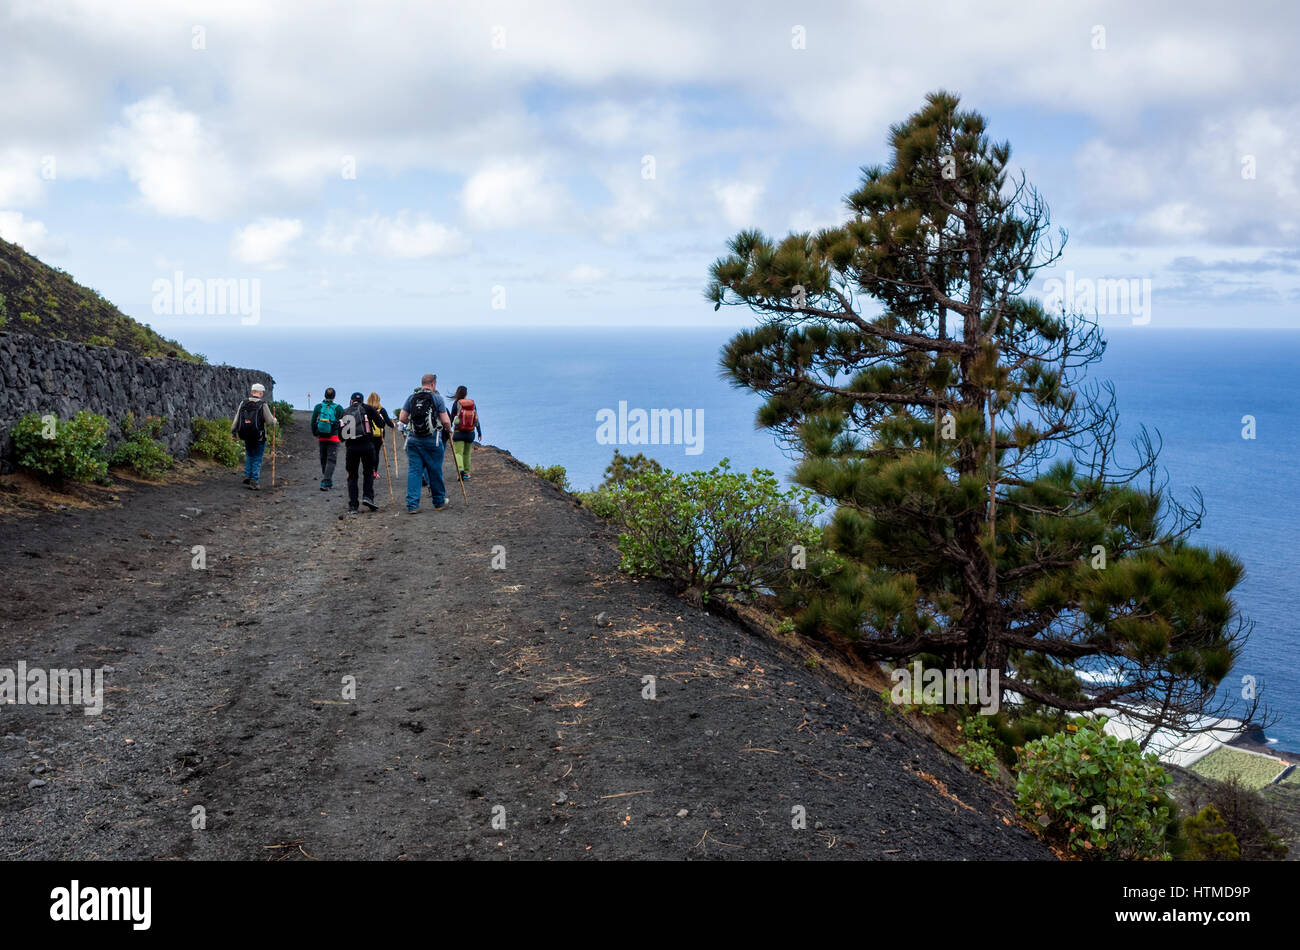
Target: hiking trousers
{"x":363,"y":454}
{"x":253,"y":452}
{"x":424,"y":457}
{"x":462,"y":451}
{"x":329,"y":457}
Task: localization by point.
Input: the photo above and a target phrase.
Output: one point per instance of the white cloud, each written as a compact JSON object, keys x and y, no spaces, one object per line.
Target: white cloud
{"x":586,"y":274}
{"x":510,"y":194}
{"x":31,"y":235}
{"x":178,"y":165}
{"x":738,"y":201}
{"x":404,"y":236}
{"x":266,"y":241}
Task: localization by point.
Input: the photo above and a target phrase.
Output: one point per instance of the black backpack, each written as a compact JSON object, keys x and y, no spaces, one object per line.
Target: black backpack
{"x":353,"y":424}
{"x":252,"y":425}
{"x":424,"y":421}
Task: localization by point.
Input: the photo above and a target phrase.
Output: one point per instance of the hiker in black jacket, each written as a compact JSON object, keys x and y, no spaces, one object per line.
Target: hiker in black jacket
{"x":355,"y":427}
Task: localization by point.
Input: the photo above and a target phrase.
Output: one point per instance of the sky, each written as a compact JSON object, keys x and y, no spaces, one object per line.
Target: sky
{"x":501,"y":164}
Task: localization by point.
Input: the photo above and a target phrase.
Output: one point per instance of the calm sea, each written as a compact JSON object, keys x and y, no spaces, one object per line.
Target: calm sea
{"x":540,"y":393}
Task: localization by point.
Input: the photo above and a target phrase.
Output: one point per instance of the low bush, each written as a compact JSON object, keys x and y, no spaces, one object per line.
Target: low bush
{"x":283,"y":413}
{"x":69,"y":449}
{"x":714,"y":533}
{"x":140,"y":450}
{"x":1095,"y":795}
{"x":212,"y":440}
{"x":555,"y":474}
{"x":1208,"y":837}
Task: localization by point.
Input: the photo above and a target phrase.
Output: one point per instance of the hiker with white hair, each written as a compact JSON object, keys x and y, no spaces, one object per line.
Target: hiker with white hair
{"x":250,"y":424}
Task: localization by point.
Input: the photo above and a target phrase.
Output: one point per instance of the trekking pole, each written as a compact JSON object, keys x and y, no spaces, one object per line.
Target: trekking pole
{"x":458,"y":478}
{"x":388,"y":477}
{"x":272,"y":457}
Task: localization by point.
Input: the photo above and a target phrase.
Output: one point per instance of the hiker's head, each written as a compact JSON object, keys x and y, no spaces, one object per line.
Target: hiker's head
{"x":257,"y":390}
{"x":373,"y":401}
{"x":429,"y":381}
{"x":329,"y":393}
{"x":461,"y":392}
{"x":356,"y":398}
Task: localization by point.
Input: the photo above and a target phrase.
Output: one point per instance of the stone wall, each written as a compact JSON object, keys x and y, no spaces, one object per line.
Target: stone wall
{"x":53,"y":376}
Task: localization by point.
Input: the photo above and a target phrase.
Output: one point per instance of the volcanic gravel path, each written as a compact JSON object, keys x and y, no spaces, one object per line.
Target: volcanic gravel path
{"x":497,"y":713}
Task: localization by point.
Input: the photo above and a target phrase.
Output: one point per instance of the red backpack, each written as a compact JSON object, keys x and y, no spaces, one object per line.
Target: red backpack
{"x":466,"y":417}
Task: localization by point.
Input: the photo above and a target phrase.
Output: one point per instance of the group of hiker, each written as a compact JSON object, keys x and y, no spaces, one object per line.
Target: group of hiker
{"x":425,"y":418}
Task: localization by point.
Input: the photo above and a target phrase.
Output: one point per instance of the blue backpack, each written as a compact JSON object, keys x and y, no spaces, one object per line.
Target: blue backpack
{"x":325,"y":419}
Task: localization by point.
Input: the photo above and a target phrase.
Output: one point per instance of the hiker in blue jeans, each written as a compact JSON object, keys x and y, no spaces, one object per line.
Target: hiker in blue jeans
{"x":429,"y":430}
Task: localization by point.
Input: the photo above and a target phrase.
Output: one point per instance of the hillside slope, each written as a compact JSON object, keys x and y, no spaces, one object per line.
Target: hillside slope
{"x":480,"y":694}
{"x":44,"y":301}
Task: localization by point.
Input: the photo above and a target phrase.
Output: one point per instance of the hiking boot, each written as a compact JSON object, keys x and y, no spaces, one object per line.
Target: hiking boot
{"x":247,"y":479}
{"x":323,"y":486}
{"x":253,"y":486}
{"x":412,"y":511}
{"x":443,"y":507}
{"x":370,"y":503}
{"x":352,"y":511}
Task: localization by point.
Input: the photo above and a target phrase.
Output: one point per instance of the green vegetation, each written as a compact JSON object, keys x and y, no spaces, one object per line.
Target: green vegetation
{"x":283,"y":413}
{"x":140,"y":449}
{"x":1250,"y":817}
{"x":49,"y":303}
{"x":1208,"y":837}
{"x":1095,"y":795}
{"x":621,"y":470}
{"x":980,"y":516}
{"x":56,"y":450}
{"x":714,"y":533}
{"x":977,"y":748}
{"x":212,"y":440}
{"x":555,"y":474}
{"x":1225,"y":762}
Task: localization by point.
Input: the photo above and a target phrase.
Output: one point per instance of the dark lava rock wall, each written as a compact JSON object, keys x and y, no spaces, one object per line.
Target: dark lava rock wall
{"x":54,"y":376}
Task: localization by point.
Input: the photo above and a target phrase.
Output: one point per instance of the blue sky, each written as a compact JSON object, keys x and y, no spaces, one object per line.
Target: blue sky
{"x":502,"y":151}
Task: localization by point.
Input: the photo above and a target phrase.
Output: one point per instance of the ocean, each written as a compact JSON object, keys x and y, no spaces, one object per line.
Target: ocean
{"x":541,"y":394}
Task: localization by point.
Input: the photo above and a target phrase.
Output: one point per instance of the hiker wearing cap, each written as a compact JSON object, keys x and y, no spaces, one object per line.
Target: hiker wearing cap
{"x":355,"y":426}
{"x":250,"y":424}
{"x":425,"y":414}
{"x":325,"y":426}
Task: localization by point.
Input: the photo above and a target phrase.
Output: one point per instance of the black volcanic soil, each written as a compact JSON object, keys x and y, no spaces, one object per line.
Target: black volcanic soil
{"x":479,"y":693}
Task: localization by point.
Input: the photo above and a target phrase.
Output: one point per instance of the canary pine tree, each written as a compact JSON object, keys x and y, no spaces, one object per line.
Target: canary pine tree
{"x":982,"y":515}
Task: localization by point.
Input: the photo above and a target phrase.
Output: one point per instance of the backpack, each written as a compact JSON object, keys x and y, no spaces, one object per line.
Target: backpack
{"x":467,"y":417}
{"x":252,"y":426}
{"x":424,"y":420}
{"x":326,"y":418}
{"x":353,"y":424}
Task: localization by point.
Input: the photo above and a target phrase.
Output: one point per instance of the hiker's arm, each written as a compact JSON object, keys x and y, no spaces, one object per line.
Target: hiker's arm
{"x":315,"y":414}
{"x":234,"y":422}
{"x":403,"y":417}
{"x":268,"y":415}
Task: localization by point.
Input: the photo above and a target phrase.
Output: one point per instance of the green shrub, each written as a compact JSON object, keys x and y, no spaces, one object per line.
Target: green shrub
{"x":625,"y":468}
{"x":283,"y":412}
{"x":978,"y":746}
{"x":212,"y":440}
{"x":55,"y":450}
{"x":140,"y":449}
{"x":555,"y":474}
{"x":713,"y":533}
{"x":600,"y":501}
{"x":1208,"y":837}
{"x":1095,"y":795}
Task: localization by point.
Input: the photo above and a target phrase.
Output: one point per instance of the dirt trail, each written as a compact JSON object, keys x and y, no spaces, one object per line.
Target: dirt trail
{"x":480,"y":693}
